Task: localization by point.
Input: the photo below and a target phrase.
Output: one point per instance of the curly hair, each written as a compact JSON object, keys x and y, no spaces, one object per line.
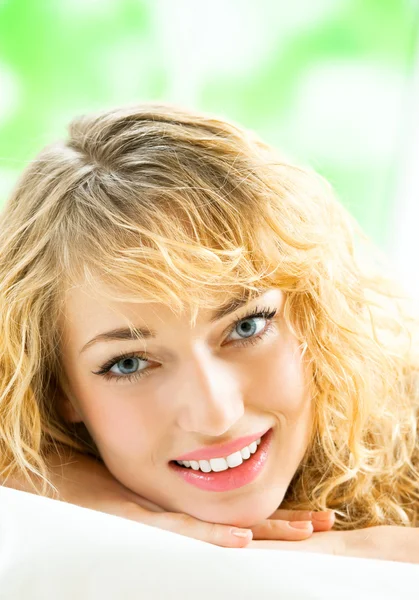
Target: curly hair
{"x":166,"y":205}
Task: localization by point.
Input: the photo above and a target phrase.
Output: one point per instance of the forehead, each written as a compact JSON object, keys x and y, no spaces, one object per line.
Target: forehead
{"x":84,"y":305}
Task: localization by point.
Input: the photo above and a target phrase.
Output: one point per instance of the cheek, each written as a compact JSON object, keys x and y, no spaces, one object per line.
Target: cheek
{"x":122,"y":423}
{"x":279,"y":381}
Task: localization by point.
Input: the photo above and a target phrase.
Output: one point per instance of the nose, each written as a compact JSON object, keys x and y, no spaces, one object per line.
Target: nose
{"x":208,"y":394}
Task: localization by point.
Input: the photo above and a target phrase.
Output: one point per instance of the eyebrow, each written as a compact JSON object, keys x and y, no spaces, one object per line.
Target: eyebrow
{"x":124,"y":334}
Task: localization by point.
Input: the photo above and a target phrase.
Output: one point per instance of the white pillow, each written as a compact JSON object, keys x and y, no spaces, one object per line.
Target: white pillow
{"x":51,"y":550}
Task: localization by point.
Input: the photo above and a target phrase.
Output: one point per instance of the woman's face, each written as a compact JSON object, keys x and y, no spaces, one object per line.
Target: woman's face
{"x":186,"y":388}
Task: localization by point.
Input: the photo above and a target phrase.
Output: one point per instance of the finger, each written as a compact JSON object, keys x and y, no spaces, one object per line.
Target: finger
{"x":292,"y":515}
{"x":322,"y":520}
{"x":213,"y":533}
{"x":276,"y":529}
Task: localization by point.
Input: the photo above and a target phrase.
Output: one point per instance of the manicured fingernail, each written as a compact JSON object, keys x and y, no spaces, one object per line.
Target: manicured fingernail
{"x":322,"y":515}
{"x":300,"y":524}
{"x":243,"y":533}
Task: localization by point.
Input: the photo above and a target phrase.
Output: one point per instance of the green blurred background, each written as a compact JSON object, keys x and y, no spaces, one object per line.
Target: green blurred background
{"x":325,"y":81}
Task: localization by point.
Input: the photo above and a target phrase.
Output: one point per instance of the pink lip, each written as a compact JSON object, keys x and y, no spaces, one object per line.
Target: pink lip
{"x":230,"y":479}
{"x":221,"y":450}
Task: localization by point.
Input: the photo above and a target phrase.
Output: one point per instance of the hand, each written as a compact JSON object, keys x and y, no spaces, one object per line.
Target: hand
{"x":387,"y":542}
{"x":81,"y":480}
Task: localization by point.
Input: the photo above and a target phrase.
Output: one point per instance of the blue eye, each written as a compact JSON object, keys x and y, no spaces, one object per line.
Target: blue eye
{"x":131,"y":367}
{"x":128,"y":366}
{"x":251,"y":325}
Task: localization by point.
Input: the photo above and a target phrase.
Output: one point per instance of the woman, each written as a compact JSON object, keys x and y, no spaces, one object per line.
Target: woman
{"x":187,"y":309}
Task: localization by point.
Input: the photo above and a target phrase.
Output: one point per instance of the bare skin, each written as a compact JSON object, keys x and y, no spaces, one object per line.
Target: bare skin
{"x":86,"y":482}
{"x":188,"y":386}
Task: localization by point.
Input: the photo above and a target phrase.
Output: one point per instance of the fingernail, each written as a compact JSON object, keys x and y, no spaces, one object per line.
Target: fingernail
{"x":301,"y":524}
{"x":322,"y":515}
{"x":243,"y":533}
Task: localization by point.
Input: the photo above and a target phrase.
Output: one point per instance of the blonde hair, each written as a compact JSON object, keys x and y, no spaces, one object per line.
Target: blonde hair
{"x":165,"y":205}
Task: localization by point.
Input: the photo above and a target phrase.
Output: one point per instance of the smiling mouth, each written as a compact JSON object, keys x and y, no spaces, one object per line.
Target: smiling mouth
{"x":225,"y":478}
{"x":216,"y":465}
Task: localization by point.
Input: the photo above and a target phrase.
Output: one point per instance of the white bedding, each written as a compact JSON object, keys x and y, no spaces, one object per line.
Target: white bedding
{"x":50,"y":550}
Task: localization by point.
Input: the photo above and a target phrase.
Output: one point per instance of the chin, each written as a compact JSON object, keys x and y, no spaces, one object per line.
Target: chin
{"x":245,"y":511}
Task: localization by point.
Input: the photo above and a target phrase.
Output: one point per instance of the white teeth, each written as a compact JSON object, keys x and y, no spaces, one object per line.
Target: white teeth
{"x":235,"y":459}
{"x":204,"y":465}
{"x":218,"y":464}
{"x":245,"y":453}
{"x":222,"y":464}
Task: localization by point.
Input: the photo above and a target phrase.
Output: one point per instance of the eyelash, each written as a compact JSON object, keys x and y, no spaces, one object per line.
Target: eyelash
{"x":257,"y":313}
